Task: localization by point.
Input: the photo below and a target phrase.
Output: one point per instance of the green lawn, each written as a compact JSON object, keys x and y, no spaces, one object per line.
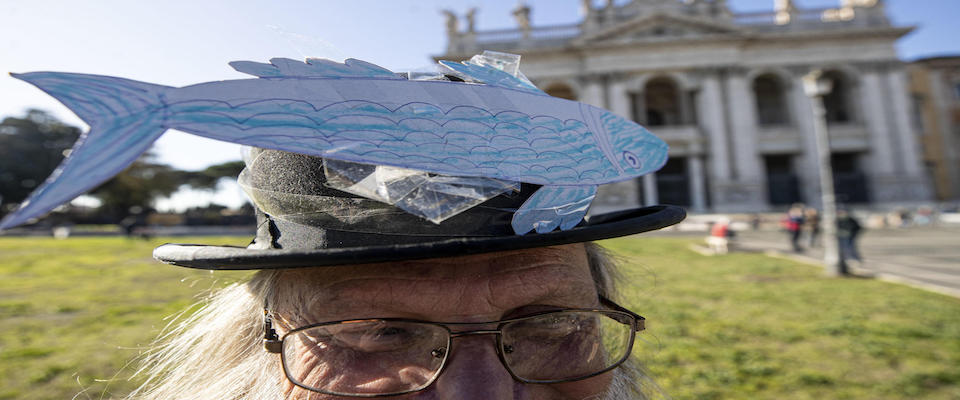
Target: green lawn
{"x":73,"y":313}
{"x":746,"y":326}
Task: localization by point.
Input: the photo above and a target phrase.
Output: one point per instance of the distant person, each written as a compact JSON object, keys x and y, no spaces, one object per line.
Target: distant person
{"x":848,"y":228}
{"x":924,"y":216}
{"x":793,"y":224}
{"x":755,"y":221}
{"x":812,"y":224}
{"x":720,"y":236}
{"x":905,"y":218}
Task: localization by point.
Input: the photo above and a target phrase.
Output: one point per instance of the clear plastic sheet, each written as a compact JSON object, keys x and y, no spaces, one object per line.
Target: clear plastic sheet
{"x":506,"y":62}
{"x":430,"y":196}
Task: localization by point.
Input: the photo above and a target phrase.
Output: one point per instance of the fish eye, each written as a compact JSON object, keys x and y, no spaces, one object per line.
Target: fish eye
{"x":631,"y":159}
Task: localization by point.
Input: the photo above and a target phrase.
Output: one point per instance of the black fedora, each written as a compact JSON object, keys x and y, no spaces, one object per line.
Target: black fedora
{"x":301,"y":222}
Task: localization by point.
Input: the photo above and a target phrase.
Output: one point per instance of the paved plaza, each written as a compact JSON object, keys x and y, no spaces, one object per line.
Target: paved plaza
{"x":927,"y":257}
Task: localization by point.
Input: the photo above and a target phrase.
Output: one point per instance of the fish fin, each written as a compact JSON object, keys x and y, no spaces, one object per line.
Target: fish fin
{"x":553,"y":206}
{"x":125,"y":118}
{"x":491,"y":76}
{"x":314,"y":68}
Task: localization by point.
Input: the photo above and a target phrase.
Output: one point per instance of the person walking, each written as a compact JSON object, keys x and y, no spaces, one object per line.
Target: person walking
{"x":848,"y":228}
{"x":793,"y":224}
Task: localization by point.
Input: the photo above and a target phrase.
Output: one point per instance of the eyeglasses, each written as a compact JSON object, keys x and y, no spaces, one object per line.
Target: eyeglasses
{"x":392,"y":356}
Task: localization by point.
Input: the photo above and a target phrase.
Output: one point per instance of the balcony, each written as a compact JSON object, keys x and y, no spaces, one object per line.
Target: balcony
{"x":779,"y":139}
{"x":849,"y":137}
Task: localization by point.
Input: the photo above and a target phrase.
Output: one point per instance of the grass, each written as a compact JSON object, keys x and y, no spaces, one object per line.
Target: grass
{"x":745,"y":326}
{"x":74,"y":312}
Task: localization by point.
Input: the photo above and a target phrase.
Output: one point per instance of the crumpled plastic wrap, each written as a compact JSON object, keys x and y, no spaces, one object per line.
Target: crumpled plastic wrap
{"x":430,"y":196}
{"x":506,"y":62}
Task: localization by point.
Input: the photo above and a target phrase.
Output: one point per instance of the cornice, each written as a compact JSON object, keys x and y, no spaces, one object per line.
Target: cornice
{"x":651,"y":19}
{"x":739,"y":39}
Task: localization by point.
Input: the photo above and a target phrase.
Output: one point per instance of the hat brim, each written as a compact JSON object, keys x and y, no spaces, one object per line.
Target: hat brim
{"x":598,"y":227}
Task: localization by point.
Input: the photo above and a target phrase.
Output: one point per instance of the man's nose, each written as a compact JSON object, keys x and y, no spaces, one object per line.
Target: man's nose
{"x":474,"y":371}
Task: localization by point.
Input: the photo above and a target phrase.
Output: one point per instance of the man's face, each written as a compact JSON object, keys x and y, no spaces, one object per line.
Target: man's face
{"x":478,"y":288}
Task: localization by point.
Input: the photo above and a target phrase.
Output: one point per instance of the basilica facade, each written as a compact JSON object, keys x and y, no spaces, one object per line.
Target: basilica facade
{"x":725,"y":91}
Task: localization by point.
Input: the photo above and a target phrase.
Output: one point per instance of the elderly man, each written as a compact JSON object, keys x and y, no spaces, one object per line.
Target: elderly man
{"x":359,"y":299}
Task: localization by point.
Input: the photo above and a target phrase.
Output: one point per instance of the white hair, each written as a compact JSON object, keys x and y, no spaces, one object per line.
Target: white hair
{"x":217,"y":353}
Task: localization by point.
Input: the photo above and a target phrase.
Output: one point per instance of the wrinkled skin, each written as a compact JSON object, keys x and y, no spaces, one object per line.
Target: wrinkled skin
{"x":477,"y":288}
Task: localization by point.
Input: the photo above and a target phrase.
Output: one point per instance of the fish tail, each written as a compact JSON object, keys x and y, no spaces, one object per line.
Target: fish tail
{"x":125,"y":118}
{"x":96,"y":98}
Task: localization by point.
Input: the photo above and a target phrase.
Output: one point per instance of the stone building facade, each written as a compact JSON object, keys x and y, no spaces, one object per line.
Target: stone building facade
{"x":935,"y":90}
{"x":725,"y":91}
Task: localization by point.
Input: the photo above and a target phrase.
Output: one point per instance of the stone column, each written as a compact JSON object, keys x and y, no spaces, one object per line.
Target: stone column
{"x":698,"y":193}
{"x":650,"y":196}
{"x":941,"y":98}
{"x":906,"y":138}
{"x":712,"y":122}
{"x":592,"y":92}
{"x":886,"y":169}
{"x":620,"y":98}
{"x":748,"y":192}
{"x":743,"y":118}
{"x":882,"y":159}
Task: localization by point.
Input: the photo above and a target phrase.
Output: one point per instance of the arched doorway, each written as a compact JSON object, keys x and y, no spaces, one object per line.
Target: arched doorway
{"x":837,"y":103}
{"x":661,"y":99}
{"x":768,"y":91}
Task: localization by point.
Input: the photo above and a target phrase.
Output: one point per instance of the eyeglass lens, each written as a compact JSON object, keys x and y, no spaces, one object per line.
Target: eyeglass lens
{"x":564,"y":346}
{"x":366,"y":357}
{"x":370,"y":357}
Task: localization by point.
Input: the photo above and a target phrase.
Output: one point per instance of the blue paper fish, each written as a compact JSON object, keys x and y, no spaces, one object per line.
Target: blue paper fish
{"x":497,"y":126}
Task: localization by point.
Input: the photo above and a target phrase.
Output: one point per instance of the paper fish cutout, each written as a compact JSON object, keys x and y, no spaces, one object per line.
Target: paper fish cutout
{"x":500,"y":127}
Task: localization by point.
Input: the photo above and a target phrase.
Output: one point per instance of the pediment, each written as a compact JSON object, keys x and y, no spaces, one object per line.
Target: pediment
{"x":660,"y":27}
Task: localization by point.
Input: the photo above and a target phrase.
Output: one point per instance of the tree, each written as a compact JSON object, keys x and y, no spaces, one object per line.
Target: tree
{"x":30,"y":149}
{"x":133,"y":190}
{"x":209,"y":177}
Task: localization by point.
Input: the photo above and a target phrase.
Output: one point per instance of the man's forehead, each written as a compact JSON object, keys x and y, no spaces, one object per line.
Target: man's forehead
{"x":481,"y":284}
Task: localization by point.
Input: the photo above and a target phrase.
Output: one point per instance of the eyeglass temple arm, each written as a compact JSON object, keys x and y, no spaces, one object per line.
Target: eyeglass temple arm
{"x":641,"y":321}
{"x":271,"y":342}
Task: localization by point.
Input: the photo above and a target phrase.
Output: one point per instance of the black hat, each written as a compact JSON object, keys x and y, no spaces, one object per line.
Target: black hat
{"x":302,"y":222}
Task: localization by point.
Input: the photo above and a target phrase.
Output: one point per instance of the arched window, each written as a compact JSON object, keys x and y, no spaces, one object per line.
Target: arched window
{"x":771,"y":102}
{"x":561,"y":90}
{"x":837,"y":102}
{"x":661,"y":99}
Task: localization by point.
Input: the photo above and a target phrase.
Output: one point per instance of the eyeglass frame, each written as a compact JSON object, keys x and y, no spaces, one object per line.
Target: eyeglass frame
{"x":272,"y":343}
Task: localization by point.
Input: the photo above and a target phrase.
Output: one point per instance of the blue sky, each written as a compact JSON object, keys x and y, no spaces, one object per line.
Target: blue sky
{"x":181,"y":42}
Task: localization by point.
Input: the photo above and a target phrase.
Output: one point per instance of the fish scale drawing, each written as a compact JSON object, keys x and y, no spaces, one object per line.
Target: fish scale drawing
{"x":493,"y":125}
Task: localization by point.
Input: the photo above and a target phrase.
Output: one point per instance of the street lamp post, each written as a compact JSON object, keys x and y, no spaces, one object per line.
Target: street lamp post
{"x":816,"y":86}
